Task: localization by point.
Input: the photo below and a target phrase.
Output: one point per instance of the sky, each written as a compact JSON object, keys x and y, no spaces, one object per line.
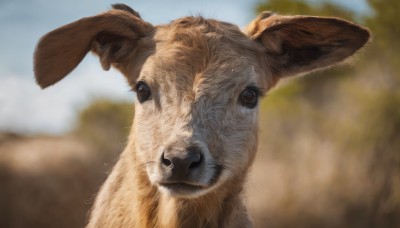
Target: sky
{"x":25,"y":108}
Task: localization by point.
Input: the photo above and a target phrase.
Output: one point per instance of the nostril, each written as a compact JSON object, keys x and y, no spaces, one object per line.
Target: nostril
{"x":196,"y":157}
{"x":165,"y":161}
{"x":182,"y":161}
{"x":197,"y":162}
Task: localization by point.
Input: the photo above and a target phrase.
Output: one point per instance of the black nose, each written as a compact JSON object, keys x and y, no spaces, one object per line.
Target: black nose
{"x":182,"y":162}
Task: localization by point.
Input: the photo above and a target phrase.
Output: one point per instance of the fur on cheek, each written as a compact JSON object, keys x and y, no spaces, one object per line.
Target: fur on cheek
{"x":237,"y":143}
{"x":146,"y":131}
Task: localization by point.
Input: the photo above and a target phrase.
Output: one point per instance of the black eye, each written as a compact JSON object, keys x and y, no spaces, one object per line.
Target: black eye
{"x":142,"y":92}
{"x":249,"y":97}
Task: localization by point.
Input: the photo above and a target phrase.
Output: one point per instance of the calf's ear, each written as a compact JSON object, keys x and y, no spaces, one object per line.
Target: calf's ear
{"x":114,"y":36}
{"x":298,"y":44}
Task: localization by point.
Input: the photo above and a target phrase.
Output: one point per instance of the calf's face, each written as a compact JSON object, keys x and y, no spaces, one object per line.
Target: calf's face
{"x":198,"y":83}
{"x":196,"y":113}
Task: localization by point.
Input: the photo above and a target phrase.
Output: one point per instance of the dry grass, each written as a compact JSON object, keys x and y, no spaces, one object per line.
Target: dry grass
{"x":46,"y":181}
{"x":51,"y":182}
{"x":315,"y":188}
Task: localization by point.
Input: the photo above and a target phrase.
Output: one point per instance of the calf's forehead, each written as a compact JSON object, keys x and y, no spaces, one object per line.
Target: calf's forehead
{"x":206,"y":56}
{"x":235,"y":72}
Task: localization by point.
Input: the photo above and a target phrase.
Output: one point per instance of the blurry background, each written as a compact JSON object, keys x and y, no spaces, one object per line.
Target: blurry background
{"x":329,"y":153}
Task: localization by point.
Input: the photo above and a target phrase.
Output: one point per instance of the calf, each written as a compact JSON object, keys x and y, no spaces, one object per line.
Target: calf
{"x":198,"y":83}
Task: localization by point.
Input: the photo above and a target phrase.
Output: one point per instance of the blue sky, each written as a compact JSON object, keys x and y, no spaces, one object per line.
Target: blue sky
{"x":26,"y":108}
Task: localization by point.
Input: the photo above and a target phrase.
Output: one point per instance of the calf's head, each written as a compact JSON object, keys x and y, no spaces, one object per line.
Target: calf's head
{"x":198,"y":83}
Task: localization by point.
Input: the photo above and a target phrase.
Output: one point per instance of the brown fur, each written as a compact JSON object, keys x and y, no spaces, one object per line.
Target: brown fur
{"x":196,"y":70}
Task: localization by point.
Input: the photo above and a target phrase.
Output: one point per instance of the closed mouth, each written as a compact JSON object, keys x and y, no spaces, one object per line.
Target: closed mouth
{"x":181,"y":186}
{"x":188,"y":188}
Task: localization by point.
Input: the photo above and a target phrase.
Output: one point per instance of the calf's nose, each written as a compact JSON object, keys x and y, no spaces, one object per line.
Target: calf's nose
{"x":182,"y":163}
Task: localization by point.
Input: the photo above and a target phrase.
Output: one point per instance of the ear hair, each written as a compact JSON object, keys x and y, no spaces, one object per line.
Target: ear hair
{"x":112,"y":48}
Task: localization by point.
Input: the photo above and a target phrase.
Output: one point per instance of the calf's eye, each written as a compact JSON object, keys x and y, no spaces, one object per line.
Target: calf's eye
{"x":143,"y":92}
{"x":249,"y":97}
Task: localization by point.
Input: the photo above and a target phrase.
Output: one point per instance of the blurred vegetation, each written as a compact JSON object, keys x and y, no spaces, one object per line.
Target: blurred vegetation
{"x":353,"y":109}
{"x":294,"y":7}
{"x":49,"y":181}
{"x":106,"y":125}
